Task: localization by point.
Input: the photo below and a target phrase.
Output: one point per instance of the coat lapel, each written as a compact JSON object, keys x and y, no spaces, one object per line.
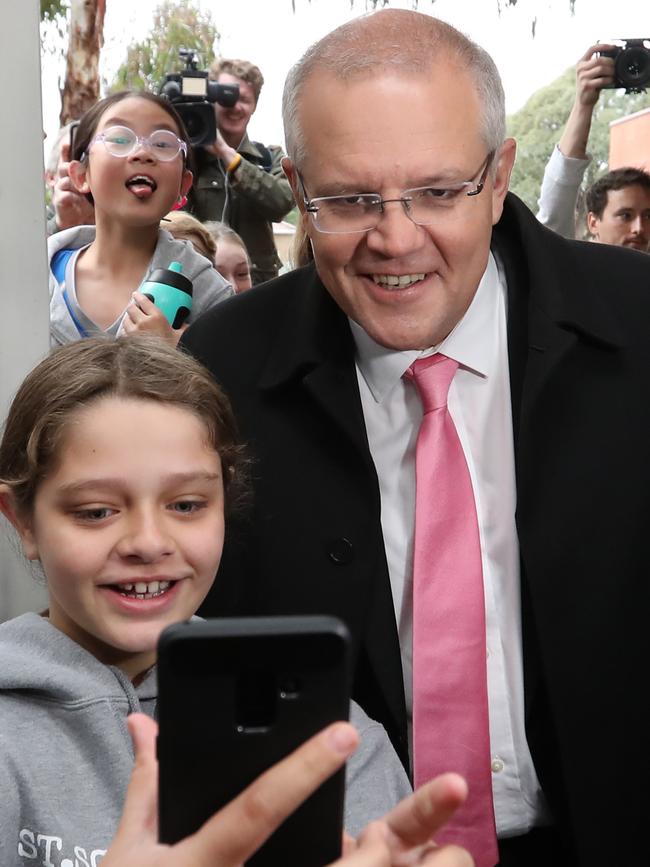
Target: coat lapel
{"x":313,"y":355}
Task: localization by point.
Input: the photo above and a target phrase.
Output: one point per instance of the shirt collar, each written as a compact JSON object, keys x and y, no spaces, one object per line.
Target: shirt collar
{"x":469,"y":343}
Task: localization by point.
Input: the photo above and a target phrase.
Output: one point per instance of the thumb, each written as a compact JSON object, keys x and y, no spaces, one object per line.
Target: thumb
{"x":139,"y":816}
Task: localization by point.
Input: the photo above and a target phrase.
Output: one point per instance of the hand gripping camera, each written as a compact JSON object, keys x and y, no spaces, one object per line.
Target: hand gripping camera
{"x":192,"y":94}
{"x":631,"y":64}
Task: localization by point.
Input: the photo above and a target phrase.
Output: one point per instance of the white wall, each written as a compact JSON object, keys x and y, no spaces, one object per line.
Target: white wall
{"x":23,"y":267}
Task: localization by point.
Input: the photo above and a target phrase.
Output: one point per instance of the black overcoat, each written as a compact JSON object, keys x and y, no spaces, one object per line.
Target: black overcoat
{"x":579,"y":348}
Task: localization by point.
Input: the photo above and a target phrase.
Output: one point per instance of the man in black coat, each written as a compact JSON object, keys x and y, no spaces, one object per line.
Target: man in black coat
{"x":423,"y":248}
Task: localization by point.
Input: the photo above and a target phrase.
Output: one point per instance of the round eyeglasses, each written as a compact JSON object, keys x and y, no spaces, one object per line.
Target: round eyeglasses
{"x":361,"y":212}
{"x":120,"y":141}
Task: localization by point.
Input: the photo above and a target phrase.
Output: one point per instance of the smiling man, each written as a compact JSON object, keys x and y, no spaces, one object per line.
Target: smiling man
{"x":449,"y":447}
{"x":239,"y":181}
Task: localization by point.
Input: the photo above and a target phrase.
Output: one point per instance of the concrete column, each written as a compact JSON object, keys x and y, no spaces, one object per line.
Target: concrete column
{"x":24,"y":312}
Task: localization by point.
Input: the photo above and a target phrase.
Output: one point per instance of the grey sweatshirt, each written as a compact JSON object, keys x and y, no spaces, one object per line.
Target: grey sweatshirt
{"x":66,"y":756}
{"x":208,"y":286}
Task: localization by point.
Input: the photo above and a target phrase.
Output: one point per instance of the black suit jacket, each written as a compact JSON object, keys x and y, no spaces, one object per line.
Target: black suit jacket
{"x":578,"y":322}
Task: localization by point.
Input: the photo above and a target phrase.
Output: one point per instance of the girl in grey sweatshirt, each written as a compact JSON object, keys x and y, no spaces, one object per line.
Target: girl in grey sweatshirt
{"x":117,"y":461}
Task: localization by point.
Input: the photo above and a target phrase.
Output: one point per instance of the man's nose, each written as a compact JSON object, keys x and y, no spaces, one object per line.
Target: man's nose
{"x":638,"y":224}
{"x":395,"y":234}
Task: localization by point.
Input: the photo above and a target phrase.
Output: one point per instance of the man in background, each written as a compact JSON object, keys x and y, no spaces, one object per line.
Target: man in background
{"x":618,"y":204}
{"x":240,"y":182}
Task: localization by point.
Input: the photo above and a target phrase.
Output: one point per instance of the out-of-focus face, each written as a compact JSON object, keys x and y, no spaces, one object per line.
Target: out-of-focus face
{"x":128,"y":527}
{"x":231,"y":262}
{"x":625,"y":221}
{"x":407,"y":285}
{"x":232,"y":122}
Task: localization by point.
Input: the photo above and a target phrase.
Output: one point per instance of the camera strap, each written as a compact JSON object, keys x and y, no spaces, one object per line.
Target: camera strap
{"x":267,"y":156}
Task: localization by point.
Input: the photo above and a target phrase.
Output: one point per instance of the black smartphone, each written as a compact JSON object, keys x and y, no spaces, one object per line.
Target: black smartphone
{"x":235,"y":696}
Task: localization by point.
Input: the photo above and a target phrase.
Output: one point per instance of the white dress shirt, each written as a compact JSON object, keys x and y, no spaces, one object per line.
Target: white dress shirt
{"x":479,"y":403}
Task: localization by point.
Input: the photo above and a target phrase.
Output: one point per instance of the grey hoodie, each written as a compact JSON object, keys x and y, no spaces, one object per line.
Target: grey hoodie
{"x":209,"y":287}
{"x":66,"y":756}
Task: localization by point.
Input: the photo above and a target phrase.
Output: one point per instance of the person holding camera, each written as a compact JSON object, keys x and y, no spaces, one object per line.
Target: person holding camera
{"x":618,"y":203}
{"x":240,"y":182}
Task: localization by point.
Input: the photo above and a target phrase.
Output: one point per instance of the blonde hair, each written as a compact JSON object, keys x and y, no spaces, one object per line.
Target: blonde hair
{"x":243,"y":69}
{"x":181,"y":225}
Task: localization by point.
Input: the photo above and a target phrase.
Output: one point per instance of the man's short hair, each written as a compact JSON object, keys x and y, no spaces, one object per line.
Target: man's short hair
{"x":617,"y":179}
{"x":397,"y":40}
{"x":243,"y":69}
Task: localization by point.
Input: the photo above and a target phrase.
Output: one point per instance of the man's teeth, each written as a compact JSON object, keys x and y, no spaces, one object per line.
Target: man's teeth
{"x":144,"y":589}
{"x":394,"y":280}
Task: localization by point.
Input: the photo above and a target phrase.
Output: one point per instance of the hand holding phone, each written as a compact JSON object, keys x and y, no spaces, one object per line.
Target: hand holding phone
{"x":235,"y":697}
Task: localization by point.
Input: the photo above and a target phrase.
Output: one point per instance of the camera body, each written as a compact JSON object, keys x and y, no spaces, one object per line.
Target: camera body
{"x":631,"y":64}
{"x":192,"y":94}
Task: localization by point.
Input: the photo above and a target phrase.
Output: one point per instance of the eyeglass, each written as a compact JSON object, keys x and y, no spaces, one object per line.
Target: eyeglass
{"x":361,"y":212}
{"x":120,"y":141}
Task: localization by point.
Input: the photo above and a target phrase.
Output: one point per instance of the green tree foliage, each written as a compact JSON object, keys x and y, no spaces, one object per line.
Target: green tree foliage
{"x":175,"y":25}
{"x":538,"y":126}
{"x":52,"y":9}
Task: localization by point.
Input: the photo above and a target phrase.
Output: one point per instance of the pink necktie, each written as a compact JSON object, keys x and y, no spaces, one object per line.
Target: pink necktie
{"x":450,"y":710}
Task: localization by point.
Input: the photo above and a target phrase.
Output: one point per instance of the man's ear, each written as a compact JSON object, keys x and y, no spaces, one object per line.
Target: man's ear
{"x":21,"y":524}
{"x":292,"y":176}
{"x":78,"y":172}
{"x":593,"y":224}
{"x":505,"y":160}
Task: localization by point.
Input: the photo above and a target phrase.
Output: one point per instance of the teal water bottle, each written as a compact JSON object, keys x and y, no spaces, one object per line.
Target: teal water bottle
{"x":171,"y":291}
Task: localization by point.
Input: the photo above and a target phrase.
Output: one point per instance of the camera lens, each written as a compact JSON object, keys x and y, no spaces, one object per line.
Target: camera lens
{"x":633,"y":67}
{"x":194,"y":124}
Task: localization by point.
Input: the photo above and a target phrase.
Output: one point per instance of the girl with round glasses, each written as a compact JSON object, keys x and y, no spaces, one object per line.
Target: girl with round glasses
{"x":131,"y":158}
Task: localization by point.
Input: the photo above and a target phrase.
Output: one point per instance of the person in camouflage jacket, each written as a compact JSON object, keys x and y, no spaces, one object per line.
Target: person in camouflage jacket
{"x":239,"y":181}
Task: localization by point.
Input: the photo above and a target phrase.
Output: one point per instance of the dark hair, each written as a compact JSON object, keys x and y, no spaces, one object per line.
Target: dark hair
{"x":617,"y":179}
{"x":90,"y":121}
{"x":132,"y":367}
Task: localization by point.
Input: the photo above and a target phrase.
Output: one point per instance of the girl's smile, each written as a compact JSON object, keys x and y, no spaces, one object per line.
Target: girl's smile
{"x":128,"y":526}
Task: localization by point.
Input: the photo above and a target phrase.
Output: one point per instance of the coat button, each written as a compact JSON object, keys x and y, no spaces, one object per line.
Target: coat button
{"x":341,"y":551}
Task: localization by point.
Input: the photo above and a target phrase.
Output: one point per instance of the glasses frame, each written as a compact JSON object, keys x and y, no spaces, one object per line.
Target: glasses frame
{"x":139,"y":141}
{"x":311,"y":206}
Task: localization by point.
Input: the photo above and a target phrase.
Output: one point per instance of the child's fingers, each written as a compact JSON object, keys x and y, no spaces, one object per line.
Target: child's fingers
{"x":145,"y":304}
{"x":240,"y":828}
{"x":139,"y":816}
{"x":372,"y":849}
{"x":416,"y":819}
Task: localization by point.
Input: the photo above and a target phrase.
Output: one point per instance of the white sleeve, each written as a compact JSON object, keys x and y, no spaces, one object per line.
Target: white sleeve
{"x":559,"y":192}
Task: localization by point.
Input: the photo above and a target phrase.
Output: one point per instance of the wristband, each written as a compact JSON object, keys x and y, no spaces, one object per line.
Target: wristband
{"x":234,"y":163}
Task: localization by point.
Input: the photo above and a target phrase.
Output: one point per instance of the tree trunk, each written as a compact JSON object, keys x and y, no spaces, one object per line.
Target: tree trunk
{"x":86,"y":37}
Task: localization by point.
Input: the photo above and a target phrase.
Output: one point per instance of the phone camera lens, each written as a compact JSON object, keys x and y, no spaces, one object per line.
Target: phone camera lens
{"x":289,"y":687}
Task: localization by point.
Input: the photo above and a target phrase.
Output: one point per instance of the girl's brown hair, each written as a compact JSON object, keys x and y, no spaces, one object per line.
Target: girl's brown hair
{"x":87,"y":127}
{"x":131,"y":367}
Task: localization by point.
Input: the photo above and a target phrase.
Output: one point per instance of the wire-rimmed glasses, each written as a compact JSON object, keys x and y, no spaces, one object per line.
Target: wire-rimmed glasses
{"x":361,"y":212}
{"x":120,"y":141}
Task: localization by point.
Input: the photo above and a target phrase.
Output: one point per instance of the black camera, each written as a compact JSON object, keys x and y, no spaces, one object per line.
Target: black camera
{"x":192,"y":95}
{"x":631,"y":64}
